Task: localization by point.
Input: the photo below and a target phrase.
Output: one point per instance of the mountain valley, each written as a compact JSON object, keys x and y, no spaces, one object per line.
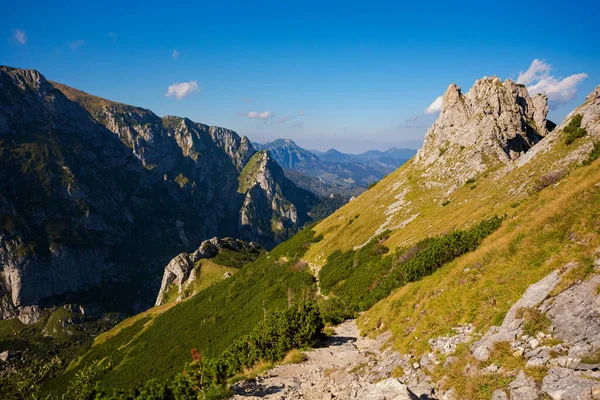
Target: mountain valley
{"x":469,"y":272}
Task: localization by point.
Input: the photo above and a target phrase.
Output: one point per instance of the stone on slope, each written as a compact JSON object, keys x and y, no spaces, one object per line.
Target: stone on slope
{"x":523,"y":388}
{"x":387,"y":389}
{"x":510,"y":327}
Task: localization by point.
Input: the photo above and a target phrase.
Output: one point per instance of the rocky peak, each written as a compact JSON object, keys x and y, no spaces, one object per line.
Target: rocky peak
{"x":273,"y":205}
{"x":239,"y":149}
{"x":496,"y":121}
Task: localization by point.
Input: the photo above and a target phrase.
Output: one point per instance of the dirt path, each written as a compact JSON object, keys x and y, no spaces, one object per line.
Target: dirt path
{"x":345,"y":366}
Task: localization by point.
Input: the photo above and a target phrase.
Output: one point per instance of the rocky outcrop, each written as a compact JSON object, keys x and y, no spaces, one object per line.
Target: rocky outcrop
{"x":273,"y":206}
{"x":495,"y":122}
{"x":590,"y":112}
{"x":178,"y":271}
{"x":511,"y":326}
{"x":566,"y":350}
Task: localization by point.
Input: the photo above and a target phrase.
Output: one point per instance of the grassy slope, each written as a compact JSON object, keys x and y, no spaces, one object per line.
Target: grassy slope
{"x":496,"y":191}
{"x":546,"y":228}
{"x":249,"y":172}
{"x":156,"y":344}
{"x":550,"y":229}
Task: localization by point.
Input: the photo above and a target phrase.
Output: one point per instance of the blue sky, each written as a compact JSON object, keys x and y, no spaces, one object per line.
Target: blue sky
{"x":353,"y":76}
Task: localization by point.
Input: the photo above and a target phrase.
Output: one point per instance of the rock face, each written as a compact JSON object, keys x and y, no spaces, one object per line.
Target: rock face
{"x":590,"y":112}
{"x":272,"y":204}
{"x":494,"y":122}
{"x":178,"y":270}
{"x":511,"y":326}
{"x":97,"y":196}
{"x":566,"y":352}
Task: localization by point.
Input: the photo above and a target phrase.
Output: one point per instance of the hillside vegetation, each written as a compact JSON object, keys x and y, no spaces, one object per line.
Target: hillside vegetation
{"x":150,"y":347}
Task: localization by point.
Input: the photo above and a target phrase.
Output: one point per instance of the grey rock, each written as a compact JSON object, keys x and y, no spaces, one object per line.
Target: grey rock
{"x":499,"y":394}
{"x":387,"y":389}
{"x":565,"y":384}
{"x":494,"y":119}
{"x":179,"y":270}
{"x":523,"y":388}
{"x":590,"y":110}
{"x":534,"y":343}
{"x":575,"y":315}
{"x":510,"y":327}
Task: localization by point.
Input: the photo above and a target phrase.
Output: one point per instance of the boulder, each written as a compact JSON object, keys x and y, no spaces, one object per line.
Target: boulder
{"x":387,"y":389}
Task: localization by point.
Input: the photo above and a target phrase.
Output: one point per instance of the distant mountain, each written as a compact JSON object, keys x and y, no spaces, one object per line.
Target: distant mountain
{"x":333,"y":171}
{"x":334,"y":156}
{"x":394,"y":157}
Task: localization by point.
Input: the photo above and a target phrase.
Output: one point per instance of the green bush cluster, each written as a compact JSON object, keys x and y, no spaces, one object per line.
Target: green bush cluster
{"x":209,"y":321}
{"x":202,"y":378}
{"x":356,"y":280}
{"x":236,"y":259}
{"x":280,"y":332}
{"x":574,"y":130}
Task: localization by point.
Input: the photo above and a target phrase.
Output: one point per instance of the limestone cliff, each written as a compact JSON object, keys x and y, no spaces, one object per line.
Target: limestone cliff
{"x":97,"y":196}
{"x":178,"y":273}
{"x":273,"y":206}
{"x":495,"y":122}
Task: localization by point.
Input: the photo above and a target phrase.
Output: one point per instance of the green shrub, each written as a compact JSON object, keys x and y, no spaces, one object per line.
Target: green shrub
{"x":372,"y":185}
{"x":574,"y":130}
{"x":356,"y":280}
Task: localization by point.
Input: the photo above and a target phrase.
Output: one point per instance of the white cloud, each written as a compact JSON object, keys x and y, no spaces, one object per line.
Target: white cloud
{"x":301,"y":113}
{"x":299,"y":124}
{"x":262,"y":115}
{"x":175,"y":54}
{"x":76,"y":44}
{"x":19,"y":36}
{"x":180,"y":90}
{"x":537,"y":70}
{"x":558,"y":90}
{"x":434,"y":107}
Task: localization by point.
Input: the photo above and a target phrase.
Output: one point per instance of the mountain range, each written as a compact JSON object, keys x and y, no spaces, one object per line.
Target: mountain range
{"x":333,"y":171}
{"x":96,"y":196}
{"x":470,"y":272}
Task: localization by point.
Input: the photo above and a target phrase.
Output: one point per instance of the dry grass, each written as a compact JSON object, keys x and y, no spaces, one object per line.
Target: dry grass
{"x":251,"y":373}
{"x":294,"y":356}
{"x":529,"y":245}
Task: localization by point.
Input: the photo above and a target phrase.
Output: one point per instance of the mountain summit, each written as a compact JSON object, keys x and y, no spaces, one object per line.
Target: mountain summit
{"x":494,"y":122}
